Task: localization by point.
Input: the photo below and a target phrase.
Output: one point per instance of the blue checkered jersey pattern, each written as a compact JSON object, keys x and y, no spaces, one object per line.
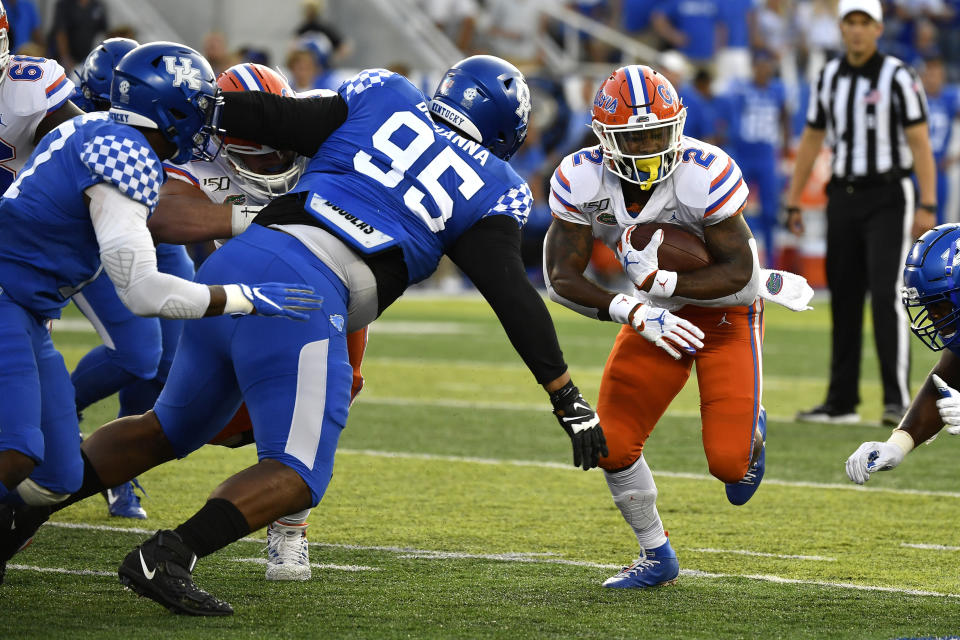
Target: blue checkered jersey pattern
{"x":48,"y":248}
{"x":389,"y":176}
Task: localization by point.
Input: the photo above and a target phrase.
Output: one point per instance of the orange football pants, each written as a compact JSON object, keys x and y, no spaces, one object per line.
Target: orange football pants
{"x":356,"y":346}
{"x":640,"y":380}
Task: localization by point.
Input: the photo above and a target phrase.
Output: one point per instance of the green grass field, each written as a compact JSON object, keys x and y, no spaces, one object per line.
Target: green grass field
{"x":454,"y":513}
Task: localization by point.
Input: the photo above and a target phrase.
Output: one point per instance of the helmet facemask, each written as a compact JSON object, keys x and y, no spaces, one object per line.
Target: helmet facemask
{"x":645,"y":151}
{"x":261,"y":170}
{"x":931,"y":291}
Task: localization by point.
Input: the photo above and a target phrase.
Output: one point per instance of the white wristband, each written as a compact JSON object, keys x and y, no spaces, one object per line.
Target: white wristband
{"x":241,"y":215}
{"x":664,"y":283}
{"x":236,"y":301}
{"x":621,"y":306}
{"x":902,"y":439}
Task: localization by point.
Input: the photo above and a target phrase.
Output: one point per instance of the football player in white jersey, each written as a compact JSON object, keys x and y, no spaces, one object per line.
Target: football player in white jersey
{"x":34,"y":99}
{"x":645,"y":171}
{"x":204,"y":200}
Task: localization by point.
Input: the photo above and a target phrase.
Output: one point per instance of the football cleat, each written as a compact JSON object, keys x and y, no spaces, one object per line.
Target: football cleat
{"x":18,"y":524}
{"x":288,"y":555}
{"x":161,"y":568}
{"x":739,"y":492}
{"x":653,"y":568}
{"x":829,"y":414}
{"x":122,"y":502}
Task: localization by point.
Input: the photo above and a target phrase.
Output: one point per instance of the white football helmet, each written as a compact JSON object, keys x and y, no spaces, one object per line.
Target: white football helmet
{"x":258,"y":169}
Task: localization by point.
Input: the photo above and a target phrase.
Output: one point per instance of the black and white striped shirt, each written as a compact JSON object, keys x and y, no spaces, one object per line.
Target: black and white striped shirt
{"x":865,"y":110}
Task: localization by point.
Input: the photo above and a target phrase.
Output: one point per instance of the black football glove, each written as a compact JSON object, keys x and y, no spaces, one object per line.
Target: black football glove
{"x":580,"y":422}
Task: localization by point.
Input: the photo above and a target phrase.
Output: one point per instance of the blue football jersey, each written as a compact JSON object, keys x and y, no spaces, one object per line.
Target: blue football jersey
{"x":389,"y":176}
{"x":48,"y":247}
{"x":942,"y":110}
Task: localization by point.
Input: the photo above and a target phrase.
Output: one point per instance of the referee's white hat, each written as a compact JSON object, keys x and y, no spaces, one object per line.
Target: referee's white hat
{"x":870,"y":7}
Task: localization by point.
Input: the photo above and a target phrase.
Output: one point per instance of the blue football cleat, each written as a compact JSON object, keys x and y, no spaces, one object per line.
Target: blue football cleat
{"x":739,"y":492}
{"x":122,"y":502}
{"x":655,"y":567}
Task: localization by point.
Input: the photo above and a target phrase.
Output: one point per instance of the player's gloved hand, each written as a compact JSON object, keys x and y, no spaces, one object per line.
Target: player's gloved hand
{"x":948,"y":405}
{"x":640,"y":265}
{"x":877,"y":456}
{"x":657,"y":325}
{"x":580,"y":421}
{"x":272,"y":299}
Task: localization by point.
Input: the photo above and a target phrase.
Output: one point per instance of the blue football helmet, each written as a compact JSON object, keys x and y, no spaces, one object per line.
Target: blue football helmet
{"x":487,"y":98}
{"x":96,"y":74}
{"x":931,"y":287}
{"x":171,"y":88}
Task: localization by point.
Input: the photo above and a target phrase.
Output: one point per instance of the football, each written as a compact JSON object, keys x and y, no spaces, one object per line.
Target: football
{"x":680,"y":251}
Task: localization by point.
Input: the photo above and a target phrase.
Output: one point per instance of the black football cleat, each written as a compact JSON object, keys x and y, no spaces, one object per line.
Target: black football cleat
{"x":18,"y":524}
{"x":161,"y":568}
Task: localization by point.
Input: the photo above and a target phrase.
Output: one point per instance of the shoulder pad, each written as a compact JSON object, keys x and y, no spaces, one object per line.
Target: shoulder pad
{"x":127,"y":164}
{"x":364,"y":80}
{"x":579,"y":176}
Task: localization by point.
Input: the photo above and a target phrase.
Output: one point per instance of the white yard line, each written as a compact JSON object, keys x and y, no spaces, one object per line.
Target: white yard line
{"x":430,"y":554}
{"x":932,"y":547}
{"x":760,"y":554}
{"x":334,"y":567}
{"x":542,"y":464}
{"x":73,"y":572}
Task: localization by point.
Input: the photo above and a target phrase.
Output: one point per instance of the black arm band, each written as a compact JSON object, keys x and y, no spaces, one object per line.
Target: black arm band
{"x":932,"y":208}
{"x":489,"y":254}
{"x":297,"y":124}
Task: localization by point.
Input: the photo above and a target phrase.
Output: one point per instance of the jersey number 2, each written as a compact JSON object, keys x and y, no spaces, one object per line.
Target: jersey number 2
{"x":402,"y":158}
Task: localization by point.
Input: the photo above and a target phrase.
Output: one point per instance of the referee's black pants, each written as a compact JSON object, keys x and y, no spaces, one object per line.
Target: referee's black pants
{"x":868,"y":236}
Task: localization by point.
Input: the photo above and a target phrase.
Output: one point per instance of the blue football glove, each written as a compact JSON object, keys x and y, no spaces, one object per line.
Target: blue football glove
{"x":279,"y":299}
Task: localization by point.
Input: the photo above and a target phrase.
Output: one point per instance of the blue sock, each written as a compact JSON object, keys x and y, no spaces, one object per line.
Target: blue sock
{"x":139,"y":397}
{"x":97,"y":376}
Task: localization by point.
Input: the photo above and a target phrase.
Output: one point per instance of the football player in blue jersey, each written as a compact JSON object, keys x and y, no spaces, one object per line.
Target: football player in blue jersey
{"x":137,"y":352}
{"x":82,"y":200}
{"x":931,"y":293}
{"x":394,"y":182}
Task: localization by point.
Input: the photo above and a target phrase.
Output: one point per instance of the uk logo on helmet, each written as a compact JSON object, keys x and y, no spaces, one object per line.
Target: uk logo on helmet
{"x":183,"y":72}
{"x":523,"y":95}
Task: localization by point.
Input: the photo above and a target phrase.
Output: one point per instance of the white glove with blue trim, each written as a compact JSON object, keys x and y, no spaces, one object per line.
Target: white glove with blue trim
{"x":948,"y":405}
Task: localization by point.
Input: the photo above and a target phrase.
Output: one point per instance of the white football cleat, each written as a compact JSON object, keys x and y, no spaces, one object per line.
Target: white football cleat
{"x":288,"y":555}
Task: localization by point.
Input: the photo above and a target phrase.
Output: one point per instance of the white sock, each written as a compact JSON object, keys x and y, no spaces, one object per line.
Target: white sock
{"x":635,"y":494}
{"x":297,"y":519}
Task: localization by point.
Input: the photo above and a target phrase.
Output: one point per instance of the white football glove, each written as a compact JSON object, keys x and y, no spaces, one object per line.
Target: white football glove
{"x":948,"y":405}
{"x":657,"y":325}
{"x":639,"y":264}
{"x":873,"y":456}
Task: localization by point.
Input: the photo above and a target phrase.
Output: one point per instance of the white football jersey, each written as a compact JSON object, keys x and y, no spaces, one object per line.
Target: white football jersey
{"x":33,"y":88}
{"x":215,"y":181}
{"x":705,"y":189}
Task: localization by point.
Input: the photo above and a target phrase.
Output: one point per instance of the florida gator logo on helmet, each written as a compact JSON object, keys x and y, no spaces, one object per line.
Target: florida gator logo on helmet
{"x":638,"y":117}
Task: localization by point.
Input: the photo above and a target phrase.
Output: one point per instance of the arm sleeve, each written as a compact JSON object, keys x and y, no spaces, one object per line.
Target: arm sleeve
{"x":489,"y":254}
{"x":280,"y":122}
{"x":130,"y":259}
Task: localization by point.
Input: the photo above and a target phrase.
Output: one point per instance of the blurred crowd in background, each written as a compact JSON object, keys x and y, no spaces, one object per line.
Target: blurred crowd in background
{"x":742,"y":67}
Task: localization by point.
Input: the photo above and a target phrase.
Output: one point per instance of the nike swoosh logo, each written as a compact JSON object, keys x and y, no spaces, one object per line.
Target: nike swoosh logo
{"x":257,"y":293}
{"x":581,"y":406}
{"x":143,"y":565}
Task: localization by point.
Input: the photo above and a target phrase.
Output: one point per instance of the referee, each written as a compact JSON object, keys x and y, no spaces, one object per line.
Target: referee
{"x":871,"y":109}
